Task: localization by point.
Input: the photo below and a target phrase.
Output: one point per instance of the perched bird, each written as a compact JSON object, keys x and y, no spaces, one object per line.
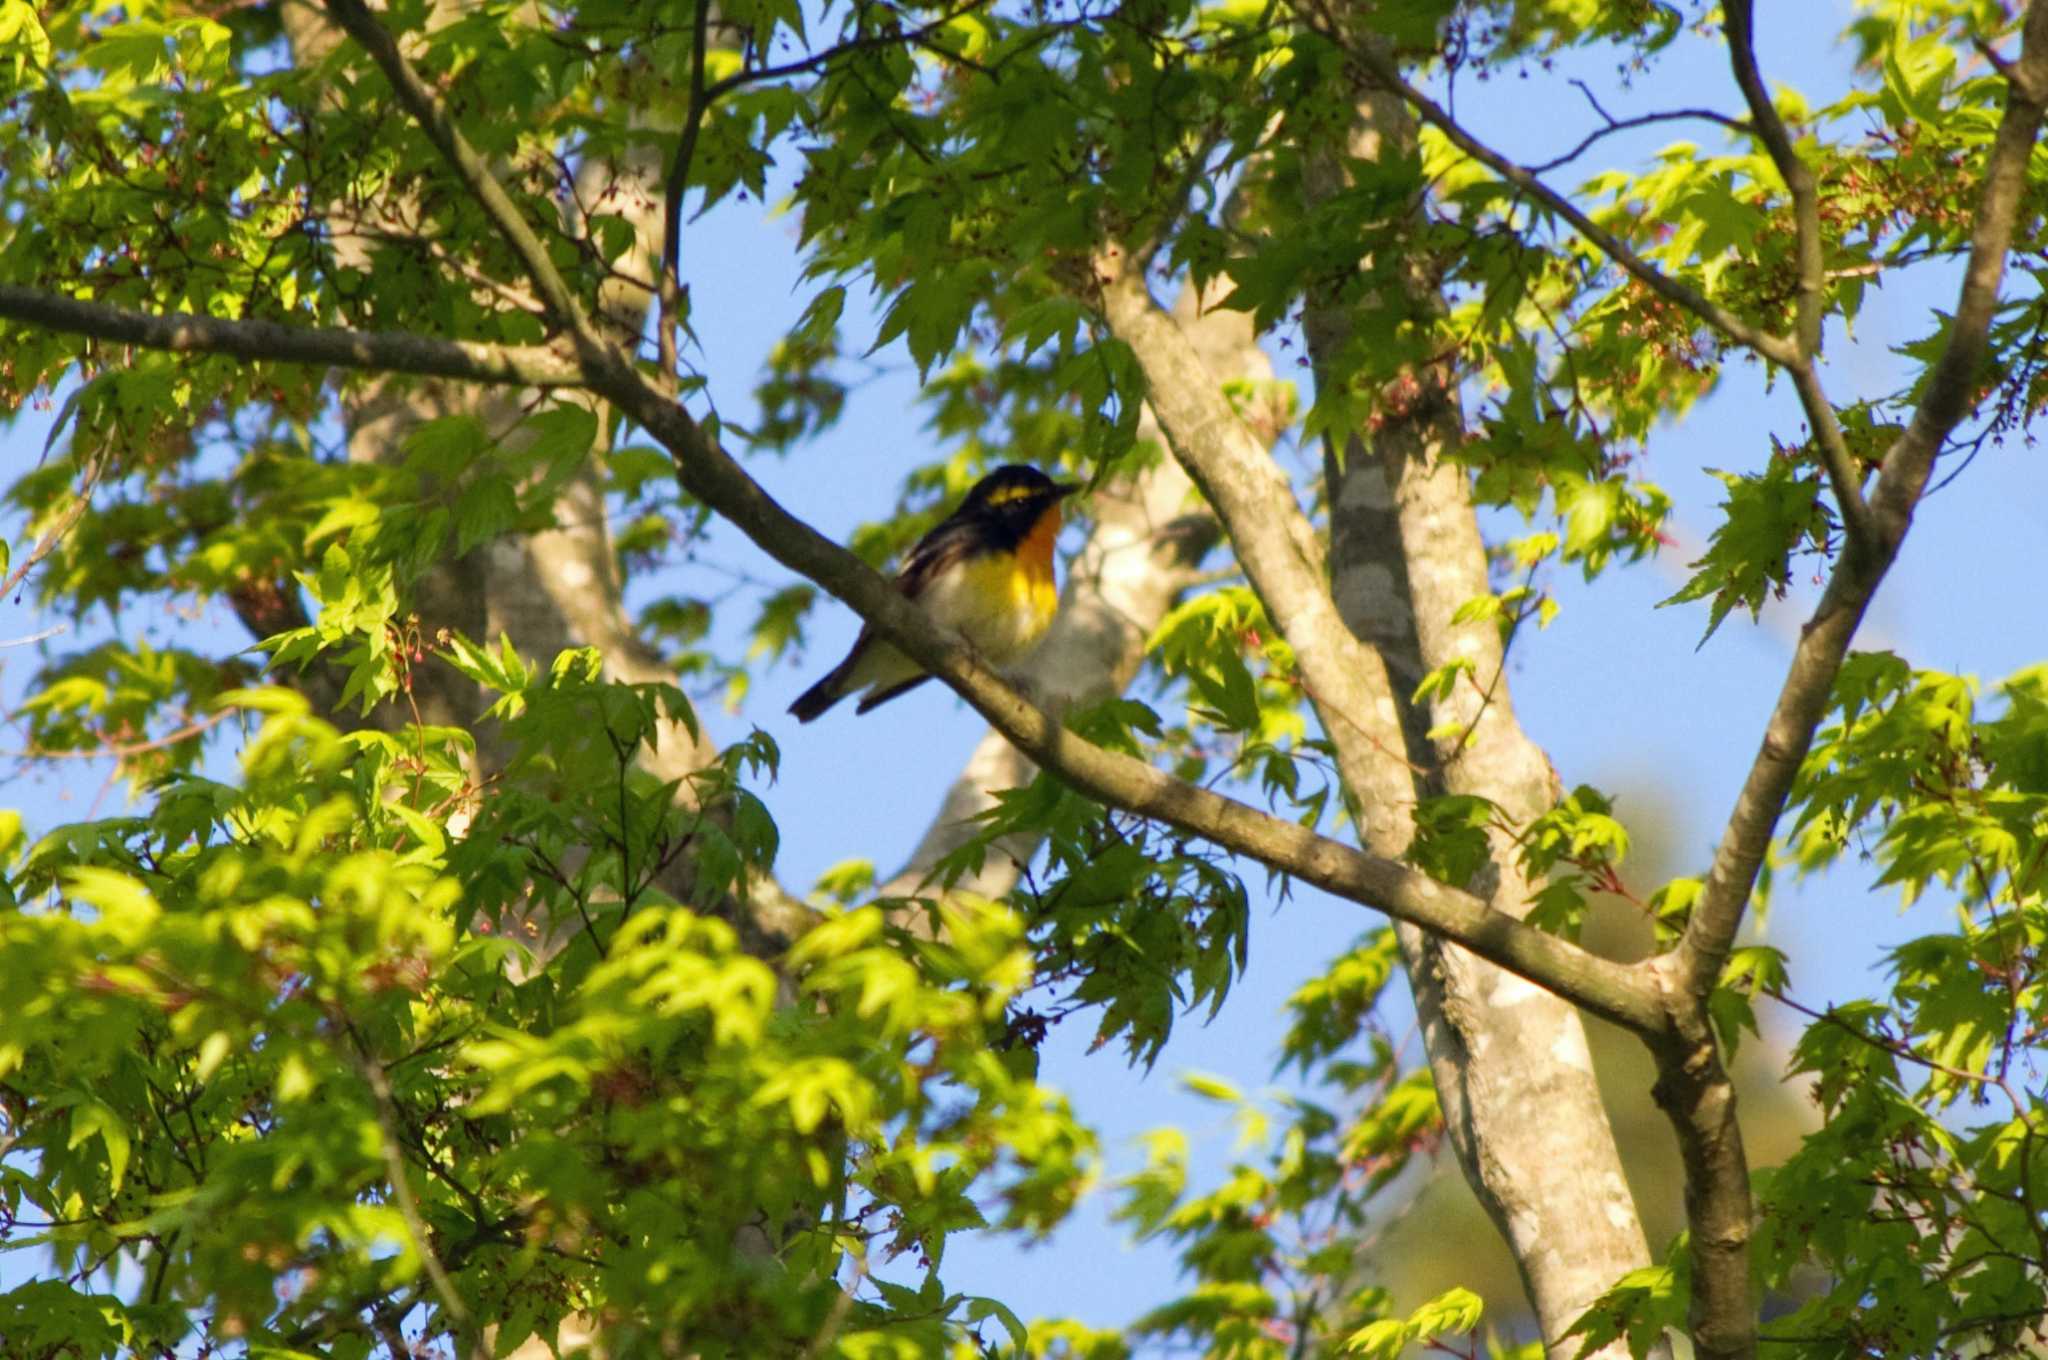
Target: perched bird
{"x":985,"y":572}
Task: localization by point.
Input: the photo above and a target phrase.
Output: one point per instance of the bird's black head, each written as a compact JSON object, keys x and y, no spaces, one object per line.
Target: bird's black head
{"x":1015,"y":489}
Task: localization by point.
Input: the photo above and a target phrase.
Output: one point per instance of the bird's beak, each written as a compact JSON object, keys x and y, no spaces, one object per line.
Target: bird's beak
{"x":1062,"y":490}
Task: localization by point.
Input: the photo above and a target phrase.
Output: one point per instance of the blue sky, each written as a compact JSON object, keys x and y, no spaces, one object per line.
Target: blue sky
{"x":1618,"y":690}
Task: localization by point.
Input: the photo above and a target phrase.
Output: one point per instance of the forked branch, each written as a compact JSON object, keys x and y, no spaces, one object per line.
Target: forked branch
{"x":1795,"y":353}
{"x":1810,"y":307}
{"x":1948,"y":397}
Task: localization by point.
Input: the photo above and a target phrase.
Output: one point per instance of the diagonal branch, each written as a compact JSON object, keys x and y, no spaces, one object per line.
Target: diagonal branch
{"x":1798,"y":177}
{"x":1383,"y":71}
{"x":1844,"y":477}
{"x":272,"y":342}
{"x":1950,"y":394}
{"x":401,"y":1193}
{"x":95,"y":466}
{"x":1843,"y":474}
{"x":354,"y":17}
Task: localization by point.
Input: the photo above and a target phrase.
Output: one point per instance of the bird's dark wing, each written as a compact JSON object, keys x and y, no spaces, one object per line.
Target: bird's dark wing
{"x":953,"y":541}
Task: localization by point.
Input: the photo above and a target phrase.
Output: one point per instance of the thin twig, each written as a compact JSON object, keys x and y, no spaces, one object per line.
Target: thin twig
{"x":189,"y":730}
{"x":401,"y":1192}
{"x":1880,"y":1042}
{"x":1383,"y":71}
{"x":828,"y":1331}
{"x":670,"y":281}
{"x":52,"y":631}
{"x":94,"y":465}
{"x":1614,"y":125}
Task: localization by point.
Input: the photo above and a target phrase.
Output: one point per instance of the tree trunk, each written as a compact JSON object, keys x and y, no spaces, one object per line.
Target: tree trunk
{"x":1512,"y":1068}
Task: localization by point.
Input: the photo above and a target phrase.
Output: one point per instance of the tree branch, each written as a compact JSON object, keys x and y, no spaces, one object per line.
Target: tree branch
{"x":1951,"y":392}
{"x":1799,"y":184}
{"x":1614,"y":125}
{"x":1844,"y":477}
{"x":1798,"y":177}
{"x":401,"y":1194}
{"x":271,"y":342}
{"x":434,"y":120}
{"x":668,"y":279}
{"x":95,"y":465}
{"x":1949,"y":396}
{"x":1382,"y":69}
{"x":1692,"y":1086}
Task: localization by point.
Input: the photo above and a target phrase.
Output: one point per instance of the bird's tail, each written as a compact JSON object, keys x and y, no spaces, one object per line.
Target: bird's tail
{"x":826,"y":692}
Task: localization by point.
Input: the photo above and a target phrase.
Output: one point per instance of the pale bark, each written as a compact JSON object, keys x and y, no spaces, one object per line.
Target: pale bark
{"x":1513,"y":1071}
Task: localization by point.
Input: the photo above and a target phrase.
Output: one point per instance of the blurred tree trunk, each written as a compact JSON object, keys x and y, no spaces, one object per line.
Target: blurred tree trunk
{"x":1513,"y":1071}
{"x":550,"y":590}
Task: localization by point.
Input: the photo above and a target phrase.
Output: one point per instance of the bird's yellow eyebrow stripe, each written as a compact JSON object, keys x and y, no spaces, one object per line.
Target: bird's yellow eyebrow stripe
{"x":1008,"y":494}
